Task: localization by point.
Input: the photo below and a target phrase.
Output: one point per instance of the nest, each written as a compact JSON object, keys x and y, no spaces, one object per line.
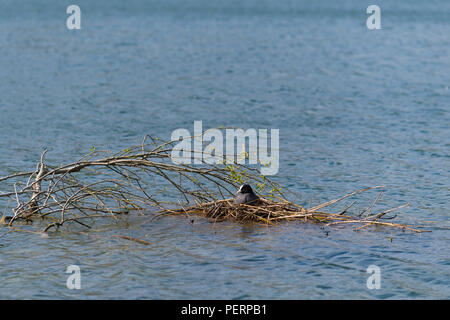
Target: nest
{"x":272,"y":212}
{"x":262,"y":210}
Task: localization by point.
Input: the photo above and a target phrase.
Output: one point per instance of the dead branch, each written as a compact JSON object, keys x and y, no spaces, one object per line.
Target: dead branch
{"x":144,"y":179}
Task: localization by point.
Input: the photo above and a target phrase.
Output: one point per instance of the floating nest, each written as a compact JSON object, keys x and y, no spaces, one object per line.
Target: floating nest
{"x":272,"y":212}
{"x":262,"y":210}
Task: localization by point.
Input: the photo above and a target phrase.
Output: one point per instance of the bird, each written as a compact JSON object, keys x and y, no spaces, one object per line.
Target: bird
{"x":245,"y":195}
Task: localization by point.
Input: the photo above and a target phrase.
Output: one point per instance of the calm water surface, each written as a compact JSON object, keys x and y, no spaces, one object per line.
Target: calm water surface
{"x":354,"y":107}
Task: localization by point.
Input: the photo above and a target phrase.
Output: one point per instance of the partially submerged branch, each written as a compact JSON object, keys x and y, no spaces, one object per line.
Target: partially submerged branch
{"x":144,"y":177}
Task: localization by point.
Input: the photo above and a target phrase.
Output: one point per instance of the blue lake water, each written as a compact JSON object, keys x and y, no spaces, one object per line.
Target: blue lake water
{"x":354,"y":107}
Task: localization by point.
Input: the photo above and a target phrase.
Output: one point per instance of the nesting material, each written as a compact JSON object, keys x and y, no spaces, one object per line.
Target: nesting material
{"x":262,"y":210}
{"x":273,"y":212}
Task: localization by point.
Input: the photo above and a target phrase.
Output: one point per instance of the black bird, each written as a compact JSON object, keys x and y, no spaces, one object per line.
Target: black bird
{"x":245,"y":195}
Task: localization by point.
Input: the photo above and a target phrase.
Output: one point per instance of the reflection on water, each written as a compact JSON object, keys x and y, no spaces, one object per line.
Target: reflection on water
{"x":354,"y":108}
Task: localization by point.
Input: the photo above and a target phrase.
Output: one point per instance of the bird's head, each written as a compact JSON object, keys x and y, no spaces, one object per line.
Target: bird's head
{"x":245,"y":188}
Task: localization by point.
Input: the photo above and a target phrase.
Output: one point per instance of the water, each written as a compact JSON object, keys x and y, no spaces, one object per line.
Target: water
{"x":355,"y":108}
